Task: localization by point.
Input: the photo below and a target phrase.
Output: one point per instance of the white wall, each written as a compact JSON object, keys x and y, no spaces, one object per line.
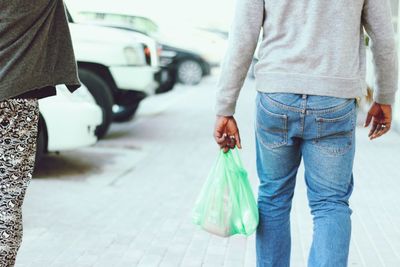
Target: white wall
{"x":370,"y":71}
{"x":396,"y":110}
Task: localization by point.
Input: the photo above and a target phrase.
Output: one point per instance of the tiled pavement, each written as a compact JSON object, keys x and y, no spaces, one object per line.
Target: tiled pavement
{"x":127,"y":201}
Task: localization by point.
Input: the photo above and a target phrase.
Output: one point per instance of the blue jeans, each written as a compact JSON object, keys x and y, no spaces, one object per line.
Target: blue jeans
{"x":321,"y":130}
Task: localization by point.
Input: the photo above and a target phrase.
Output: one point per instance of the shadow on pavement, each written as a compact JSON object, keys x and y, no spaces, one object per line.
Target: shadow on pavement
{"x":70,"y":165}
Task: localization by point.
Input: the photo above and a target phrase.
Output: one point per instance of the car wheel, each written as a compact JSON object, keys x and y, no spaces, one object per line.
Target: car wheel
{"x":166,"y":87}
{"x":41,"y":141}
{"x":190,"y":72}
{"x":102,"y":95}
{"x":124,"y":113}
{"x":169,"y":84}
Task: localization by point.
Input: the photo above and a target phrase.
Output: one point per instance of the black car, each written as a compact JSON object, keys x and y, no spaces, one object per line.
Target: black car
{"x":188,"y":67}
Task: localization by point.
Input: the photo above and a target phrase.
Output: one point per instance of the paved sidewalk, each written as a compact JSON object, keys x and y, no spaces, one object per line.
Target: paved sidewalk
{"x":127,"y":201}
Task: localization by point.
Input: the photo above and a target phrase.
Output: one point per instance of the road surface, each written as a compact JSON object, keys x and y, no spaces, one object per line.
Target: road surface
{"x":127,"y":200}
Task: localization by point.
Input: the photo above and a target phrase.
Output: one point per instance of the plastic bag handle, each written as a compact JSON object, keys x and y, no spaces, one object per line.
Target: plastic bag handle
{"x":233,"y":157}
{"x":236,"y":156}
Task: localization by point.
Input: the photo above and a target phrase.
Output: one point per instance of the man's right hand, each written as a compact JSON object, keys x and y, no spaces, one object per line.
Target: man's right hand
{"x":381,"y":117}
{"x":226,"y":133}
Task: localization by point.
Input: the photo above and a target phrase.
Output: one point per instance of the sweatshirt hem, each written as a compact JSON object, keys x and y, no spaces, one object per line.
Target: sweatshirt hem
{"x":311,"y":85}
{"x":14,"y":88}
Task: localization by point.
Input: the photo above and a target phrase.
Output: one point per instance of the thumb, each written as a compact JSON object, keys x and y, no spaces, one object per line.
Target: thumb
{"x":368,"y":120}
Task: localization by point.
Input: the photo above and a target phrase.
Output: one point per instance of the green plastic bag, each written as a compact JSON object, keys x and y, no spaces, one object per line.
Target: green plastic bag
{"x":226,"y":204}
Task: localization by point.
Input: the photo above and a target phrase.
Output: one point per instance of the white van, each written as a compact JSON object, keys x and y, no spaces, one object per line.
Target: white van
{"x":67,"y":121}
{"x":119,"y":67}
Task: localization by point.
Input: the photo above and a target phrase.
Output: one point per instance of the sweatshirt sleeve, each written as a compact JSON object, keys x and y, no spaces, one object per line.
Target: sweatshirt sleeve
{"x":377,"y":21}
{"x":243,"y":37}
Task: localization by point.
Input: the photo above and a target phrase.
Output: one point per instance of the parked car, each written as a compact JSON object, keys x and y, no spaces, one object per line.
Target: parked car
{"x":187,"y":66}
{"x":193,"y":52}
{"x":166,"y":77}
{"x":118,"y":67}
{"x":67,"y":121}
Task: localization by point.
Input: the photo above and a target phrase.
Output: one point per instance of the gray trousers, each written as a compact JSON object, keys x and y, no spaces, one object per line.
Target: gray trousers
{"x":18,"y":134}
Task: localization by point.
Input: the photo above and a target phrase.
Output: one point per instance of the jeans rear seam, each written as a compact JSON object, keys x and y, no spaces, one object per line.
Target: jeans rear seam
{"x":332,"y":109}
{"x":308,"y":111}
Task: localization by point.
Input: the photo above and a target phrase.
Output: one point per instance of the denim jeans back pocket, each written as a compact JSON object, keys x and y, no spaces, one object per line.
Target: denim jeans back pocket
{"x":271,"y":127}
{"x":335,"y":131}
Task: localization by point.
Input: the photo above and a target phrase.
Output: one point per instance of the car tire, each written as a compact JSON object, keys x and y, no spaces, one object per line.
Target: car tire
{"x":41,"y":141}
{"x":189,"y":72}
{"x":166,"y":87}
{"x":125,"y":113}
{"x":102,"y":95}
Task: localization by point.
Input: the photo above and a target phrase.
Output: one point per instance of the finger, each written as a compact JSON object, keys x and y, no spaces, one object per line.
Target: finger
{"x":222,"y":145}
{"x":386,"y":123}
{"x":373,"y":128}
{"x":382,"y":131}
{"x":385,"y":130}
{"x":377,"y":129}
{"x":217,"y":134}
{"x":380,"y":127}
{"x":220,"y":141}
{"x":378,"y":134}
{"x":238,"y":142}
{"x":231,"y":142}
{"x":226,"y":149}
{"x":368,"y":120}
{"x":220,"y":138}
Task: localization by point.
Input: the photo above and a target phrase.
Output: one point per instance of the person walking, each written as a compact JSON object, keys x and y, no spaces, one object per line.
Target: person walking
{"x":309,"y":77}
{"x":35,"y":55}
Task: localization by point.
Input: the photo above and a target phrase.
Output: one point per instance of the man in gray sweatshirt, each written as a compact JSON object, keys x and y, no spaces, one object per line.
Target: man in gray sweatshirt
{"x":309,"y":77}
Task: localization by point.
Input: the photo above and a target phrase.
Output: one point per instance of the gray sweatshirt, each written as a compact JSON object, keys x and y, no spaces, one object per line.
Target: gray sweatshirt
{"x":309,"y":47}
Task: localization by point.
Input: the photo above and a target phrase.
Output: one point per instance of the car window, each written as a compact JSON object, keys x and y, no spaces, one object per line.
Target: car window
{"x":143,"y":25}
